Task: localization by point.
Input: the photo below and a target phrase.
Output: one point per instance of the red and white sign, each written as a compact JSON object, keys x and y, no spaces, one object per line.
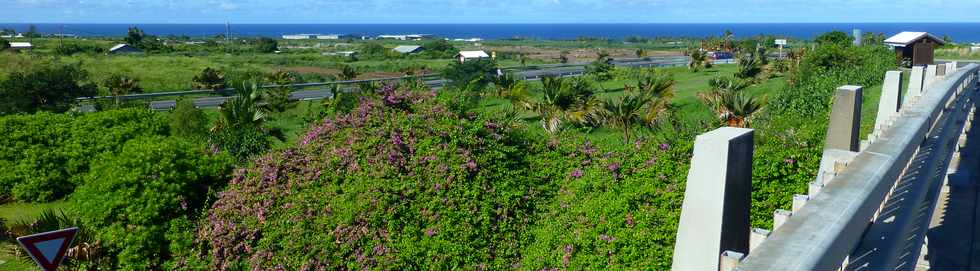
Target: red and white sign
{"x":48,"y":249}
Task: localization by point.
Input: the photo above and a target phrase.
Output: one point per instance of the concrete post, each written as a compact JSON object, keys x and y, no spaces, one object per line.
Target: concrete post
{"x":757,"y":237}
{"x":845,"y":119}
{"x":779,"y":218}
{"x":843,"y":129}
{"x":715,"y":213}
{"x":729,"y":260}
{"x":891,"y":99}
{"x":916,"y":81}
{"x":799,"y":201}
{"x":941,"y":69}
{"x":929,"y":78}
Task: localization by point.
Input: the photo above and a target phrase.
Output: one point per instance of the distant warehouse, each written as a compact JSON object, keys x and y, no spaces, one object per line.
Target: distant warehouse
{"x":407,"y":37}
{"x":123,"y":48}
{"x":463,"y":56}
{"x":320,"y":36}
{"x":408,"y":49}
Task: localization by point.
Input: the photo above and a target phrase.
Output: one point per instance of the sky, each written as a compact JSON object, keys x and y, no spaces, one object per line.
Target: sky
{"x":486,"y":11}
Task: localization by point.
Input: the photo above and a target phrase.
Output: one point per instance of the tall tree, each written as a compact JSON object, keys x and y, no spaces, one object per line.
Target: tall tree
{"x":135,"y":37}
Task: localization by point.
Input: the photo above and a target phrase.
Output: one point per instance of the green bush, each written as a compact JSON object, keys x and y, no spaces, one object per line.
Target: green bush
{"x":402,"y":182}
{"x":132,"y":199}
{"x":44,"y":88}
{"x":45,"y":155}
{"x":188,"y":121}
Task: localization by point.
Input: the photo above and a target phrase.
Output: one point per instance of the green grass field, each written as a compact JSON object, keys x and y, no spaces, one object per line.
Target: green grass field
{"x":685,"y":101}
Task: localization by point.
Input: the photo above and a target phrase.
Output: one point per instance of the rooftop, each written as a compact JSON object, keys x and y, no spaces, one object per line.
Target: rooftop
{"x":906,"y":38}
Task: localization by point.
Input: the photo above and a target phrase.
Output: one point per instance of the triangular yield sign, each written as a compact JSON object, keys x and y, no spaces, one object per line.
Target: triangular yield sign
{"x":48,"y":248}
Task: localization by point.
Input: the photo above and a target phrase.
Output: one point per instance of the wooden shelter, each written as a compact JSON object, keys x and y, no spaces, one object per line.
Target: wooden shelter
{"x":914,"y":48}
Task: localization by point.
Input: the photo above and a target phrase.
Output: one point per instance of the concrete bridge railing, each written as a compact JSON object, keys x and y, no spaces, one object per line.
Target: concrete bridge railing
{"x":869,"y":206}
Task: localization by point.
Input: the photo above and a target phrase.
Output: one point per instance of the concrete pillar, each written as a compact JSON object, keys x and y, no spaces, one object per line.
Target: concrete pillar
{"x":814,"y":187}
{"x":715,"y":213}
{"x":799,"y":201}
{"x":929,"y":78}
{"x":941,"y":69}
{"x":891,"y":99}
{"x":916,"y":80}
{"x":779,"y":218}
{"x":842,"y":131}
{"x":757,"y":236}
{"x":845,"y":119}
{"x":729,"y":260}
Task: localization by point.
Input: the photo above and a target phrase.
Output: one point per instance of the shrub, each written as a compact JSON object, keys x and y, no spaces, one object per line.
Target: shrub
{"x":479,"y":72}
{"x":45,"y":88}
{"x":210,"y":79}
{"x":188,"y":121}
{"x":402,"y":182}
{"x":45,"y":155}
{"x":266,"y":45}
{"x":132,"y":199}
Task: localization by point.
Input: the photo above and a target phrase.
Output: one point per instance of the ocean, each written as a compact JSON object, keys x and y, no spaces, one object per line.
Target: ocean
{"x":959,"y":32}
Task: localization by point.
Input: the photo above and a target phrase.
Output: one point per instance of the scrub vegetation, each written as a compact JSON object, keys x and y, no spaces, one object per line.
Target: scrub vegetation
{"x":491,"y":172}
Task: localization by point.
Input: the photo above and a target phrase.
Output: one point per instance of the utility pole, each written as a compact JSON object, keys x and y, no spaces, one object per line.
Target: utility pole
{"x":61,"y":37}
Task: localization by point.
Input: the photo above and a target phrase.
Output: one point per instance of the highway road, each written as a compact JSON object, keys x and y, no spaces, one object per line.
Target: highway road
{"x":555,"y":70}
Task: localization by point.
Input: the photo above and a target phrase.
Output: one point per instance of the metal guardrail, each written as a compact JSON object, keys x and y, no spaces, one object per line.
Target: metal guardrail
{"x":638,"y":62}
{"x":824,"y":232}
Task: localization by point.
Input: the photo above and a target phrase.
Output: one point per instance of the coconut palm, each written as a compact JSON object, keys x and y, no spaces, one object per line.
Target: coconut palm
{"x":699,"y":60}
{"x":563,"y":100}
{"x":644,"y":103}
{"x":734,"y":107}
{"x":243,"y":110}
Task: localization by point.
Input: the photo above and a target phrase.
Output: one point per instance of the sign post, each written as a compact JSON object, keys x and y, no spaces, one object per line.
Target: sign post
{"x":48,"y":249}
{"x":781,"y":43}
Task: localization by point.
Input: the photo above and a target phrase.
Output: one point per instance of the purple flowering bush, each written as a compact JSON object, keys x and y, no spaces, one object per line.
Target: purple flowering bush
{"x":391,"y":186}
{"x":400,"y":182}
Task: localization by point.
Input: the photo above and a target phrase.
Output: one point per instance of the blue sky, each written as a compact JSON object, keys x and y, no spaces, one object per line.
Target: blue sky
{"x":485,"y":11}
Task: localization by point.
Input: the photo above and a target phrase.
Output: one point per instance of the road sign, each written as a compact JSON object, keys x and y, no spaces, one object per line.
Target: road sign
{"x":781,"y":42}
{"x":48,"y":248}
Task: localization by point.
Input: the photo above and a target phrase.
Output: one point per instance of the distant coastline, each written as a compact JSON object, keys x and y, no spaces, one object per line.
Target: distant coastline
{"x":959,"y":32}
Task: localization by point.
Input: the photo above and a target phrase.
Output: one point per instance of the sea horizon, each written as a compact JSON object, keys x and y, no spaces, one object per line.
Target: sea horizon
{"x":958,"y":31}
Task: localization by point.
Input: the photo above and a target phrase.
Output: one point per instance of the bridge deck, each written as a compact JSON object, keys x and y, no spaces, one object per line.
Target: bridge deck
{"x":953,"y":238}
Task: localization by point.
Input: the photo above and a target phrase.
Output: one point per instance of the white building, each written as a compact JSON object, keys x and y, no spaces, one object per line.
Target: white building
{"x":408,"y":49}
{"x":21,"y":45}
{"x":407,"y":37}
{"x":299,"y":36}
{"x":123,"y":48}
{"x":463,"y":56}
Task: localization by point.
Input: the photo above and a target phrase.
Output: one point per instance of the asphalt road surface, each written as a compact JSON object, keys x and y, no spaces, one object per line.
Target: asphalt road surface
{"x":318,"y":94}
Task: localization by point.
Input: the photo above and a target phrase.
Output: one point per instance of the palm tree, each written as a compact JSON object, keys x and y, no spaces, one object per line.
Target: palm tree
{"x":277,"y":99}
{"x":699,"y":60}
{"x":562,"y":100}
{"x":644,"y":103}
{"x":243,"y":110}
{"x":728,"y":99}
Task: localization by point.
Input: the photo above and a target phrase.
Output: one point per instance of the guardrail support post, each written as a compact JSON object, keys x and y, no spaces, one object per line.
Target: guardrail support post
{"x":916,"y":81}
{"x":842,"y":131}
{"x":757,"y":236}
{"x":715,"y":213}
{"x":779,"y":217}
{"x":891,"y":99}
{"x":729,"y":260}
{"x":931,"y":72}
{"x":799,"y":201}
